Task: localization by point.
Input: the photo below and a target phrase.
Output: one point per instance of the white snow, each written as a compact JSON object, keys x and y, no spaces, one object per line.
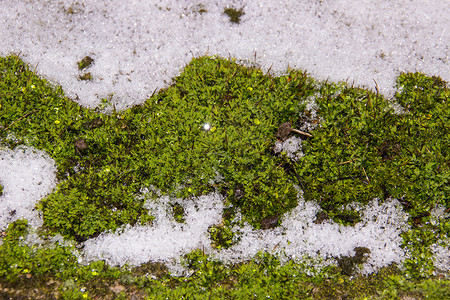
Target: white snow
{"x":165,"y":240}
{"x":138,"y":46}
{"x":297,"y":237}
{"x":441,"y":250}
{"x":291,"y":147}
{"x":26,"y":175}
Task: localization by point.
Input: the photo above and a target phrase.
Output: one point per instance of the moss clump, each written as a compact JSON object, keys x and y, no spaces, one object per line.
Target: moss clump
{"x":85,"y":63}
{"x":85,"y":77}
{"x":222,"y":236}
{"x":51,"y":272}
{"x":347,"y":264}
{"x":178,"y":212}
{"x":234,"y":14}
{"x":47,"y":270}
{"x":105,"y":161}
{"x":364,"y":150}
{"x":37,"y":114}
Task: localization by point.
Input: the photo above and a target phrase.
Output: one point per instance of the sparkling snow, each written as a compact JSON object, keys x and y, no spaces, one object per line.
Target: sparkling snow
{"x":26,"y":175}
{"x":166,"y":239}
{"x":138,"y":46}
{"x":298,"y":236}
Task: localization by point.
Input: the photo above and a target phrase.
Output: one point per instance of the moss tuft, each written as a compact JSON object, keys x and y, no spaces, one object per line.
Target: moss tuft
{"x":234,"y":14}
{"x":85,"y":63}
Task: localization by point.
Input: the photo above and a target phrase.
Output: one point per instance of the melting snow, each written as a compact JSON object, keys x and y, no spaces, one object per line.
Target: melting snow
{"x":26,"y":175}
{"x":298,"y":236}
{"x":138,"y":46}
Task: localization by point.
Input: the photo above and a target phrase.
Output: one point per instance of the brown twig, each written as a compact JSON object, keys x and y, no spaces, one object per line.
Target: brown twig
{"x":376,"y":87}
{"x":300,"y":132}
{"x":346,"y":162}
{"x":24,"y":116}
{"x":276,"y":246}
{"x":366,"y":174}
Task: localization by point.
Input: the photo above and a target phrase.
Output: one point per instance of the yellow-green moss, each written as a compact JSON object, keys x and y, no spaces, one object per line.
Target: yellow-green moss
{"x":361,"y":150}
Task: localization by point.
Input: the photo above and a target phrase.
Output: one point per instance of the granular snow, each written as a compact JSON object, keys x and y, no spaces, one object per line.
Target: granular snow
{"x":26,"y":175}
{"x":138,"y":46}
{"x":298,"y":236}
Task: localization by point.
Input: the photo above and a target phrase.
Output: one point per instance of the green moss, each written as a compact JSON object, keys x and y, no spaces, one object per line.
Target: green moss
{"x":178,"y":212}
{"x":361,"y":150}
{"x":85,"y":63}
{"x":348,"y":264}
{"x":85,"y":77}
{"x":104,"y":161}
{"x":222,"y":236}
{"x":234,"y":14}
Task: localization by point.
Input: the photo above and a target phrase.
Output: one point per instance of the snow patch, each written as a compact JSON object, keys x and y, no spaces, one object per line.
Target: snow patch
{"x":26,"y":175}
{"x":139,"y":47}
{"x":297,"y":237}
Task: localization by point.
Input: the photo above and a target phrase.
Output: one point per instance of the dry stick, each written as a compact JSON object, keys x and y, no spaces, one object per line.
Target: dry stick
{"x":346,"y":162}
{"x":35,"y":68}
{"x":268,"y":71}
{"x":376,"y":87}
{"x":276,"y":246}
{"x":24,"y":116}
{"x":366,"y":175}
{"x":300,"y":132}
